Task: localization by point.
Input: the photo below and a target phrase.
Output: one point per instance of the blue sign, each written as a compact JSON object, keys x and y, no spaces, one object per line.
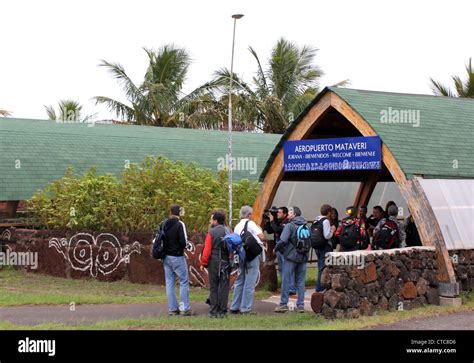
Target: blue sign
{"x":349,"y":153}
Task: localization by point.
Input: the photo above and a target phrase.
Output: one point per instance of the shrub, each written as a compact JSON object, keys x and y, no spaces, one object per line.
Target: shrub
{"x":137,"y":201}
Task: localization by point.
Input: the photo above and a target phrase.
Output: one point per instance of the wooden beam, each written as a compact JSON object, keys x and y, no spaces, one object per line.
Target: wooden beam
{"x":428,"y":227}
{"x":366,"y":188}
{"x":11,"y":208}
{"x":274,"y":175}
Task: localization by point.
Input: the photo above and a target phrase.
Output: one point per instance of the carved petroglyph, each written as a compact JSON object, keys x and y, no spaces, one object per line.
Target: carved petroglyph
{"x":79,"y":251}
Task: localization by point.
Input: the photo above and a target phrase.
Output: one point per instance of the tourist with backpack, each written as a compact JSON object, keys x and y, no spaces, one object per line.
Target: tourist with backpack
{"x":295,"y":244}
{"x":216,"y":258}
{"x":352,"y":233}
{"x":174,"y":261}
{"x":321,"y":234}
{"x":388,"y":232}
{"x":249,"y":270}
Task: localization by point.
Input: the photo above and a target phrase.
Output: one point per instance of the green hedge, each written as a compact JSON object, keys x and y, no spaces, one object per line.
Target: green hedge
{"x":139,"y":200}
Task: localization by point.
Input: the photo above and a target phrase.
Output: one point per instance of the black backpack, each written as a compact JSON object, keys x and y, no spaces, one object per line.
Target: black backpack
{"x":350,"y":235}
{"x":159,"y":242}
{"x":303,"y":239}
{"x":387,"y":237}
{"x":251,"y":246}
{"x":318,"y":241}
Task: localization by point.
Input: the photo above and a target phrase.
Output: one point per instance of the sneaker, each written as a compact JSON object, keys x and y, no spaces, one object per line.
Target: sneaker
{"x":250,"y":312}
{"x":281,"y":309}
{"x":187,"y":313}
{"x":234,"y":311}
{"x":173,"y":313}
{"x":300,"y":309}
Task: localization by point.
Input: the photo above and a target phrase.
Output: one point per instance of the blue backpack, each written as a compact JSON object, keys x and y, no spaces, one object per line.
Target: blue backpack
{"x":158,"y":249}
{"x":233,"y":243}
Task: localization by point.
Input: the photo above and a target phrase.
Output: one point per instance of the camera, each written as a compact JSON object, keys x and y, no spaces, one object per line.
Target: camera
{"x":273,"y":211}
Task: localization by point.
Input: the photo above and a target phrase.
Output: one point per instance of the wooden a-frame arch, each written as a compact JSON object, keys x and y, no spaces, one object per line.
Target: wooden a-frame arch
{"x":429,"y":230}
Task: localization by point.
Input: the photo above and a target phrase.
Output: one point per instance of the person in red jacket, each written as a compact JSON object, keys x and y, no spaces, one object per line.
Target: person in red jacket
{"x":215,"y":257}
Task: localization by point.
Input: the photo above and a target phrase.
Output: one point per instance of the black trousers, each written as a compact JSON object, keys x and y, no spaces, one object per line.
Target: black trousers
{"x":219,"y":288}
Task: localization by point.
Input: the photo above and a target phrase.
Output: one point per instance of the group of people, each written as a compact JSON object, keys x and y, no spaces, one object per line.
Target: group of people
{"x":356,"y":231}
{"x":293,"y":241}
{"x":216,"y":258}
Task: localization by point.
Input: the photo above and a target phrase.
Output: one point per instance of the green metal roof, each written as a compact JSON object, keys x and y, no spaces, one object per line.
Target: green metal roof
{"x":443,"y":140}
{"x":46,"y":148}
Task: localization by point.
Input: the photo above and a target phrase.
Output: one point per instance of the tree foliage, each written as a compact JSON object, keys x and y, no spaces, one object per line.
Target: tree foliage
{"x":463,"y":89}
{"x":139,"y":200}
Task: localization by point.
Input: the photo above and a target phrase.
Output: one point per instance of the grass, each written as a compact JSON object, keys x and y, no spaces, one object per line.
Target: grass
{"x":22,"y":288}
{"x":290,"y":321}
{"x":311,"y":276}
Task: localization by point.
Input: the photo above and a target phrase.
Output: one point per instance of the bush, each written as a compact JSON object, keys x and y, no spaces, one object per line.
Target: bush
{"x":139,"y":200}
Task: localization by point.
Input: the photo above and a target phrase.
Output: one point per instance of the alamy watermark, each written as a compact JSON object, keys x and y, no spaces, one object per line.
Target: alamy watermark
{"x":13,"y":258}
{"x":241,"y":163}
{"x":395,"y":116}
{"x":350,"y":259}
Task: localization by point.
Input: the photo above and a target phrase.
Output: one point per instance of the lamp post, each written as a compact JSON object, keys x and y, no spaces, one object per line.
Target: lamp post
{"x":230,"y":164}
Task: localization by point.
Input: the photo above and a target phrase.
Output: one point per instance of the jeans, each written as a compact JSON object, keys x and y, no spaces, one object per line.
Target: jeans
{"x":299,"y":271}
{"x":281,"y":263}
{"x":244,"y":286}
{"x":176,"y":267}
{"x":321,"y":265}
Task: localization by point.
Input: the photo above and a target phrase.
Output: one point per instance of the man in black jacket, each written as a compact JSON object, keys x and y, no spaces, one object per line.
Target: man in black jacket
{"x":175,"y":262}
{"x":276,"y":227}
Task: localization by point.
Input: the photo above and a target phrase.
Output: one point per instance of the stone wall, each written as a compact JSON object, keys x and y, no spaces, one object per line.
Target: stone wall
{"x":359,"y":283}
{"x":108,"y":256}
{"x":463,"y":263}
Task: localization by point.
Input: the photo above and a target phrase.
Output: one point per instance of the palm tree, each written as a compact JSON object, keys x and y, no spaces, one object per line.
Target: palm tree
{"x":4,"y":113}
{"x":159,"y":99}
{"x":462,"y":89}
{"x":278,"y":93}
{"x":68,"y":110}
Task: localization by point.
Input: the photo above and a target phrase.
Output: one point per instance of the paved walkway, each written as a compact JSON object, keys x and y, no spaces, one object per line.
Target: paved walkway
{"x":37,"y":314}
{"x":455,"y":321}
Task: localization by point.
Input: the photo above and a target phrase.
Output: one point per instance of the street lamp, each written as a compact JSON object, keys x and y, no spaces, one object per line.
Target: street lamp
{"x":230,"y":162}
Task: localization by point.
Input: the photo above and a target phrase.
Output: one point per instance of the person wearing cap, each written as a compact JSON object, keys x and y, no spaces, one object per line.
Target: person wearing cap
{"x":352,"y":232}
{"x":174,"y":262}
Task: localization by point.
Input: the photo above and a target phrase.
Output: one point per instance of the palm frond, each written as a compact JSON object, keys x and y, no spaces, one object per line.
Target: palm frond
{"x":51,"y":113}
{"x":4,"y":113}
{"x":120,"y":109}
{"x":440,"y":90}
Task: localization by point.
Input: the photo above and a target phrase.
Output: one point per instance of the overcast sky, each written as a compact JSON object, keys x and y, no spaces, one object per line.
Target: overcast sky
{"x":50,"y":49}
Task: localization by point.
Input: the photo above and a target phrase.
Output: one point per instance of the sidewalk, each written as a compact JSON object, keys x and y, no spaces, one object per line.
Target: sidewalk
{"x":33,"y":315}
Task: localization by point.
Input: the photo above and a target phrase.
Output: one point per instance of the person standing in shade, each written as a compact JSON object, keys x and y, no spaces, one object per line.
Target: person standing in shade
{"x":244,"y":286}
{"x":276,"y":227}
{"x":334,"y":219}
{"x":215,"y":257}
{"x":174,"y":262}
{"x":328,"y":234}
